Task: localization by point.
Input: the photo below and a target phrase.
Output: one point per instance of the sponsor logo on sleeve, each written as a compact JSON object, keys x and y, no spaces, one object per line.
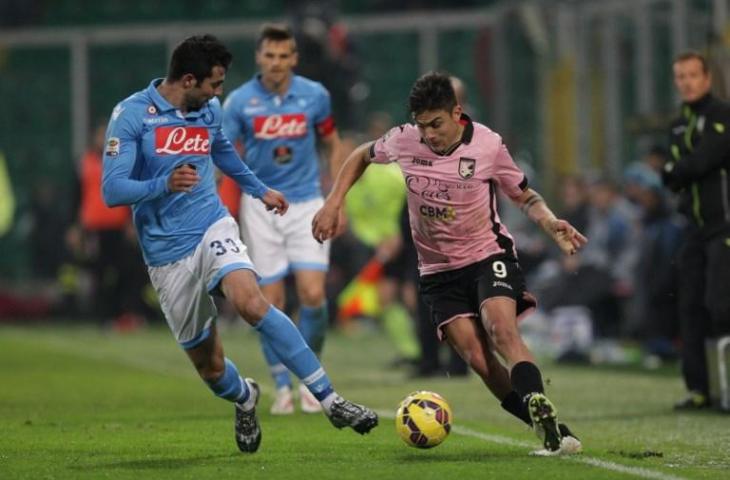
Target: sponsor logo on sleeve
{"x":182,"y":141}
{"x":112,"y":147}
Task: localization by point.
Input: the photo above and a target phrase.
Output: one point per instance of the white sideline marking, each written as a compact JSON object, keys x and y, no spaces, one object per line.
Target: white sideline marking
{"x":580,"y":458}
{"x":143,"y":364}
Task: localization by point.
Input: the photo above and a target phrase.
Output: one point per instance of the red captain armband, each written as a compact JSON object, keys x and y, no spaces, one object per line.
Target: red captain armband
{"x":326,"y":126}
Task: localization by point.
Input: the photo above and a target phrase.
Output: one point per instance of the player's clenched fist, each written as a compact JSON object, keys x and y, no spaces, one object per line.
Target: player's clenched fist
{"x":183,"y":179}
{"x":275,"y":200}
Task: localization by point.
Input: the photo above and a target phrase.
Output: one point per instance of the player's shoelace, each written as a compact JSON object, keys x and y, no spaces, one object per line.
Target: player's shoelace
{"x":544,"y":417}
{"x":248,"y":431}
{"x":347,"y":414}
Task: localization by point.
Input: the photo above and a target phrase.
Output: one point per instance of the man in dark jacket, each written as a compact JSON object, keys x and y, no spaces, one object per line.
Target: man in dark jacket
{"x":698,"y":171}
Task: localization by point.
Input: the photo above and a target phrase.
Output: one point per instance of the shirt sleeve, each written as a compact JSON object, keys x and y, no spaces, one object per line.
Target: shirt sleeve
{"x":384,"y":149}
{"x":226,"y":158}
{"x":234,"y":123}
{"x":510,"y":178}
{"x":120,"y":156}
{"x":323,"y":119}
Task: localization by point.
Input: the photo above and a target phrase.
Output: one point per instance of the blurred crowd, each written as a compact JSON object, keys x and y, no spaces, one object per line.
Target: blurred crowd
{"x":622,"y":285}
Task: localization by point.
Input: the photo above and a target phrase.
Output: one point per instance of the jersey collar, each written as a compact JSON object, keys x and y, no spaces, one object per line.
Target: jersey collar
{"x":158,"y":100}
{"x":268,"y":93}
{"x":468,"y":132}
{"x":163,"y":105}
{"x":701,"y":104}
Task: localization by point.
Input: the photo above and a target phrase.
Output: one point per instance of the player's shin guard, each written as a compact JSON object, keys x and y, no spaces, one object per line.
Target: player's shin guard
{"x":278,"y":370}
{"x":289,"y":345}
{"x":313,"y":325}
{"x":526,"y":379}
{"x":230,"y":385}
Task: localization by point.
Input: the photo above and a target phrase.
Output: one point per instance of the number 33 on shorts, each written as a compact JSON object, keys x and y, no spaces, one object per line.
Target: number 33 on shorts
{"x":221,"y":247}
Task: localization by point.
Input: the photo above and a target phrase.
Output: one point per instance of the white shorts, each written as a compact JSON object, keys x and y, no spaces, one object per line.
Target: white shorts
{"x":184,"y":286}
{"x":280,"y":244}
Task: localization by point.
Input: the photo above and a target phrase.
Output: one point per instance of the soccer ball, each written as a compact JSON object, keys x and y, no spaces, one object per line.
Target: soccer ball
{"x":423,"y":419}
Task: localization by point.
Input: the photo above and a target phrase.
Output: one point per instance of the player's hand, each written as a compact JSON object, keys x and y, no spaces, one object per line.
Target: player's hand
{"x":566,"y":236}
{"x":325,"y":224}
{"x":276,"y":201}
{"x":183,"y":179}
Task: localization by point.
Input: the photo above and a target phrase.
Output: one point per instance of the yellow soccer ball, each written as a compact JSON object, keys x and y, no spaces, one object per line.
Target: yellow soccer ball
{"x":423,"y":419}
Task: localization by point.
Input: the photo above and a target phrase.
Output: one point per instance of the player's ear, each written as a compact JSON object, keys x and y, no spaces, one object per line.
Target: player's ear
{"x":456,"y":112}
{"x":189,"y":80}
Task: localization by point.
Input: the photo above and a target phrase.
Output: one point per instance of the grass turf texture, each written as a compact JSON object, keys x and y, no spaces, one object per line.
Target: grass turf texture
{"x":78,"y":403}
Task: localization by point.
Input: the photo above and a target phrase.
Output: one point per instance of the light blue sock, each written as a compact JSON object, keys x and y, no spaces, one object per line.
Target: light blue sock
{"x":313,"y":325}
{"x":289,"y":345}
{"x":230,"y":385}
{"x":278,"y":370}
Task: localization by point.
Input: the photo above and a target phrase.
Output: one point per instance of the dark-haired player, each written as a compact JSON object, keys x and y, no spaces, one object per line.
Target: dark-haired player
{"x":469,"y":273}
{"x":161,"y":148}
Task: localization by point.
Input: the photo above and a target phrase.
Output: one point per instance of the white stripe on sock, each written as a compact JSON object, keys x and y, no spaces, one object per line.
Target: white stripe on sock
{"x":319,"y":373}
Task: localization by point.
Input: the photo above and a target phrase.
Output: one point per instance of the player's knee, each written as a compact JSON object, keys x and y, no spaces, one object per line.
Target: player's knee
{"x":254,"y":308}
{"x":503,"y":334}
{"x":312,"y":295}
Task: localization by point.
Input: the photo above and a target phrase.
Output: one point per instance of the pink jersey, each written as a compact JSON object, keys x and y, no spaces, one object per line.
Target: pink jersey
{"x":452,"y":198}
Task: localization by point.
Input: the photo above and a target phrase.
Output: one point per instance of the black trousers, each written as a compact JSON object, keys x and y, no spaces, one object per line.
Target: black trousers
{"x":704,"y":302}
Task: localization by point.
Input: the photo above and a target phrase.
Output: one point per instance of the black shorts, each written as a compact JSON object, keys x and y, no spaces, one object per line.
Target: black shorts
{"x":462,"y":292}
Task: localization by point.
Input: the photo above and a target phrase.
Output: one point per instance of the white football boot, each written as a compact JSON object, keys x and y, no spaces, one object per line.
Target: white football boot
{"x":283,"y":402}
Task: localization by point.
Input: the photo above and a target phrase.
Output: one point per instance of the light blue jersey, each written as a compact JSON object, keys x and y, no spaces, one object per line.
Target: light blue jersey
{"x":279,"y":133}
{"x":147,"y":138}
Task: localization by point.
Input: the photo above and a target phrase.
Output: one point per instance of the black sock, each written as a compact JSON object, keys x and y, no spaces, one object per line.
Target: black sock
{"x":514,"y":405}
{"x":526,"y":379}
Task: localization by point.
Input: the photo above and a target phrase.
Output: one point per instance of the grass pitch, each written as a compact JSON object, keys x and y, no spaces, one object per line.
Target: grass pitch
{"x":77,"y":403}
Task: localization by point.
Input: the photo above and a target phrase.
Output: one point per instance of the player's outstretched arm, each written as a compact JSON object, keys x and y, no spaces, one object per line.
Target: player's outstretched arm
{"x":563,"y":233}
{"x":326,"y":221}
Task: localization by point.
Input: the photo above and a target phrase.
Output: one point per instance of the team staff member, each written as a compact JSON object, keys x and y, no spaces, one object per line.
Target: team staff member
{"x":698,"y":170}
